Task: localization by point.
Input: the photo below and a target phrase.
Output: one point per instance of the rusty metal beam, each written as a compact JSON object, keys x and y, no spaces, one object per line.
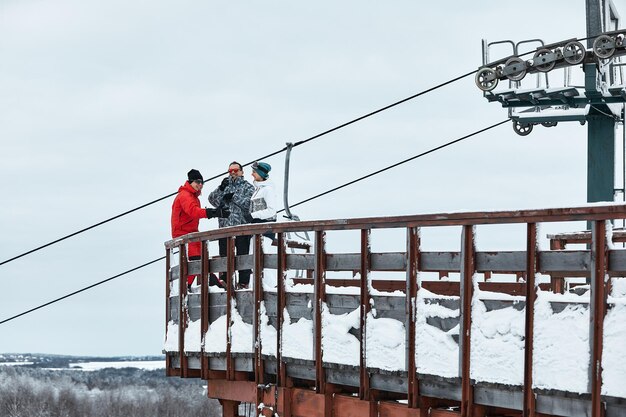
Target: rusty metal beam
{"x":281,"y":301}
{"x":531,"y":295}
{"x":284,"y":397}
{"x":259,"y":363}
{"x":240,"y":391}
{"x":168,"y":314}
{"x":350,"y":407}
{"x":230,"y":295}
{"x":600,"y":288}
{"x":364,"y":378}
{"x":420,"y":220}
{"x":468,"y":269}
{"x":389,"y":409}
{"x":230,"y":408}
{"x":182,"y":318}
{"x":320,"y":297}
{"x":204,"y":306}
{"x":411,"y":287}
{"x":258,"y":299}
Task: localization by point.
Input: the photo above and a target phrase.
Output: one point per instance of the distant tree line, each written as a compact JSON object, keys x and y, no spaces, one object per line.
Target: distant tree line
{"x":129,"y":392}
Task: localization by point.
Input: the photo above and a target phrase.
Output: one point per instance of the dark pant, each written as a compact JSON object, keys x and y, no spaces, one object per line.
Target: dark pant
{"x":242,"y":247}
{"x":269,"y":235}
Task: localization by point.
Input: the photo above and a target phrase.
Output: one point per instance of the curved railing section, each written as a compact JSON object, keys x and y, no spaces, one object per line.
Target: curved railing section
{"x":435,"y":328}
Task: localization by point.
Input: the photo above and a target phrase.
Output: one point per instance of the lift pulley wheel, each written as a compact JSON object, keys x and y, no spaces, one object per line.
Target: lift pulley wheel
{"x":574,"y":53}
{"x":604,"y":46}
{"x":544,"y":60}
{"x":522,"y":129}
{"x":549,"y":124}
{"x":514,"y":69}
{"x":486,"y":79}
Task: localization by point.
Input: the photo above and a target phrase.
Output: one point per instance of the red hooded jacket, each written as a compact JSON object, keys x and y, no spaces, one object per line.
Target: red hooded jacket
{"x":186,"y":211}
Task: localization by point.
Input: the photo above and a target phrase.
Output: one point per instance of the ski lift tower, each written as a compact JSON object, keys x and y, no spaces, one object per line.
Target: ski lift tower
{"x":599,"y":103}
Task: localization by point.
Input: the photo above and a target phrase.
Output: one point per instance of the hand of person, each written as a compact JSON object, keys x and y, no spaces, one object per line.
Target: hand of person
{"x":228,"y":197}
{"x":224,"y":184}
{"x":223,"y":212}
{"x":247,"y":217}
{"x":210,"y":213}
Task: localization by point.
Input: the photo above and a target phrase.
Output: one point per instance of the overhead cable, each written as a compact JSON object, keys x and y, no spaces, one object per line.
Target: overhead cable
{"x":302,"y":142}
{"x":297,"y":204}
{"x":56,"y":300}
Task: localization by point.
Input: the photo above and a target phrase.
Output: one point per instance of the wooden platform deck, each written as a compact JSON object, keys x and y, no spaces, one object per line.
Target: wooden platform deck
{"x":314,"y":387}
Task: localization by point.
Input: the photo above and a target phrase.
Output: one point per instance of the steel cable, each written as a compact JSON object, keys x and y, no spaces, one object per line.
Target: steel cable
{"x":299,"y":203}
{"x":302,"y":142}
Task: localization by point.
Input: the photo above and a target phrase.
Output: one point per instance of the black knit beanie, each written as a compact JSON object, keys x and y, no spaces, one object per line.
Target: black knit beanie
{"x":193,"y":175}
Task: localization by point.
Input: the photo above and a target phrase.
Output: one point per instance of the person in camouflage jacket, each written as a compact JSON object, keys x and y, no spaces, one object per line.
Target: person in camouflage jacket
{"x":234,"y":193}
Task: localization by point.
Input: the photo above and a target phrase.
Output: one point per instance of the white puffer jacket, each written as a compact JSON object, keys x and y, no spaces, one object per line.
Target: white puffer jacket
{"x":263,"y":201}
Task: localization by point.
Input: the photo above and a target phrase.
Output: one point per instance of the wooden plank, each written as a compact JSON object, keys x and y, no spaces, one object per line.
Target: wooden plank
{"x":564,"y":261}
{"x":617,"y":261}
{"x":552,"y":262}
{"x":391,"y":261}
{"x":531,"y":295}
{"x":468,"y":269}
{"x":600,"y":288}
{"x":320,"y":298}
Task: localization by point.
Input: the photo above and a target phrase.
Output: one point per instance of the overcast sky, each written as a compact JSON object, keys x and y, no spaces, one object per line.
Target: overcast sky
{"x":105,"y":105}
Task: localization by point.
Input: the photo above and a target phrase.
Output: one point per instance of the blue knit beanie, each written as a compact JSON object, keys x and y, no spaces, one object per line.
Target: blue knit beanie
{"x":262,"y":169}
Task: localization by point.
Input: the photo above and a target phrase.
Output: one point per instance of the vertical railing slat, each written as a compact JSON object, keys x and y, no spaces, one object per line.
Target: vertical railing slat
{"x":412,"y":268}
{"x":259,"y":368}
{"x":600,"y":287}
{"x":532,"y":268}
{"x":204,"y":306}
{"x":468,"y":269}
{"x":182,"y":299}
{"x":281,"y":303}
{"x":320,"y":298}
{"x":364,"y":385}
{"x":168,"y":312}
{"x":230,"y":293}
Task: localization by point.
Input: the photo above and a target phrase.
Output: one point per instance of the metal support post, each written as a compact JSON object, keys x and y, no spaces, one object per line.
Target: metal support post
{"x":366,"y":259}
{"x":468,"y":269}
{"x":412,"y":268}
{"x":204,"y":306}
{"x":320,"y":298}
{"x":230,"y":294}
{"x":531,"y":295}
{"x":600,"y":287}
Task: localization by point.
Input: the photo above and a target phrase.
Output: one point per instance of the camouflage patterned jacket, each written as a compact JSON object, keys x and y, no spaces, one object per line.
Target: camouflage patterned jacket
{"x":242,"y":190}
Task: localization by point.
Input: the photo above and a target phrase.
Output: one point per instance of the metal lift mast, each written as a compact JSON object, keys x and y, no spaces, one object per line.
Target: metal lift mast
{"x":595,"y":103}
{"x":601,"y":124}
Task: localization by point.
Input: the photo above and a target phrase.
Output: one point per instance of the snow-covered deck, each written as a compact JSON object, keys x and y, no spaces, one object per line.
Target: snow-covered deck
{"x":436,"y":358}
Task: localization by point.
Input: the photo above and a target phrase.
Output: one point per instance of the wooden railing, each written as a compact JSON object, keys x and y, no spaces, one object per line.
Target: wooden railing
{"x":233,"y":380}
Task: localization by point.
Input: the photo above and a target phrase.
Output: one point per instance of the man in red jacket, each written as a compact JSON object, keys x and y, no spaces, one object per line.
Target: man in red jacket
{"x":186,"y":214}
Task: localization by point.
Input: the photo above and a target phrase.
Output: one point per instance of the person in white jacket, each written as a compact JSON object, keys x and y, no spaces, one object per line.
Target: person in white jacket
{"x":263,"y":200}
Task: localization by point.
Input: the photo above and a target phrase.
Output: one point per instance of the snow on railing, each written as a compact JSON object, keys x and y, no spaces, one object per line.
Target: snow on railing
{"x":548,"y":347}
